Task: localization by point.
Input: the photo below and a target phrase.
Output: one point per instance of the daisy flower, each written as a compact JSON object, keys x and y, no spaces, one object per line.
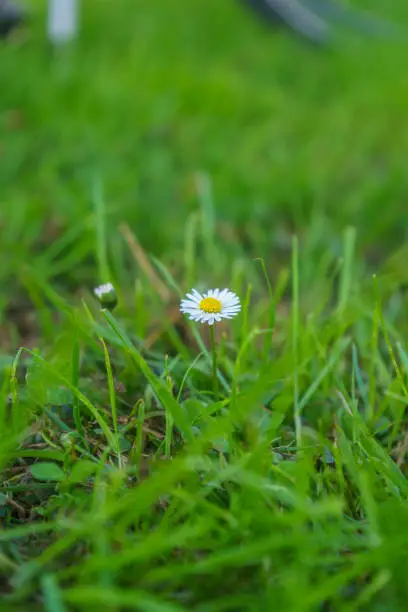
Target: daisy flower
{"x":211,"y":307}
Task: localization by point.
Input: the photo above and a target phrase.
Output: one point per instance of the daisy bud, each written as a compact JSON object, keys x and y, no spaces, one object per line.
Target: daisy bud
{"x":106,"y":295}
{"x":67,"y":439}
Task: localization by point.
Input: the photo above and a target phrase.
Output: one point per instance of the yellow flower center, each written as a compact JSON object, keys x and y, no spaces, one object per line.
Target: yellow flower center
{"x":210,"y":304}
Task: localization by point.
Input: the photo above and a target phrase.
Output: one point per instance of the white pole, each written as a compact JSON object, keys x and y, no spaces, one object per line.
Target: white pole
{"x":62,"y":20}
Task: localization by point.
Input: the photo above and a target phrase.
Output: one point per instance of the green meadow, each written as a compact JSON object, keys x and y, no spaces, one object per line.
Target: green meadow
{"x":185,"y":144}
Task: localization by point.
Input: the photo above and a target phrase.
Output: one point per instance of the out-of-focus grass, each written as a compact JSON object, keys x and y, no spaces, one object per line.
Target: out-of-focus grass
{"x":171,"y":146}
{"x":290,"y":136}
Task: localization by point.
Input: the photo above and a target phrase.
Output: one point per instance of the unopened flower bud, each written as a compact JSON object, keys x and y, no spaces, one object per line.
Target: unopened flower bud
{"x":106,"y":295}
{"x":67,"y":439}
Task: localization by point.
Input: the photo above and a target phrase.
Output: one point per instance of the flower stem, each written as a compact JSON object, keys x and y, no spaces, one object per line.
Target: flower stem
{"x":214,"y":361}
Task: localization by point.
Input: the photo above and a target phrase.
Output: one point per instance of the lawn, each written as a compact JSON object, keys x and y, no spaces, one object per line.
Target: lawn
{"x":182,"y":144}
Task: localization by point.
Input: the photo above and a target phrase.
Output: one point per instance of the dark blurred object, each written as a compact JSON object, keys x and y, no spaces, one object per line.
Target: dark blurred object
{"x":293,"y":14}
{"x":314,"y":19}
{"x":10,"y":17}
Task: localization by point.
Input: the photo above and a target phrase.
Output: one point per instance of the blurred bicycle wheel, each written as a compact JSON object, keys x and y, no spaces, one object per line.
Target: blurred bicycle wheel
{"x":10,"y":17}
{"x":316,"y":19}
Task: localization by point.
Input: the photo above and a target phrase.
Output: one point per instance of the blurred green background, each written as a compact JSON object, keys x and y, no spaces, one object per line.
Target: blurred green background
{"x":162,"y":104}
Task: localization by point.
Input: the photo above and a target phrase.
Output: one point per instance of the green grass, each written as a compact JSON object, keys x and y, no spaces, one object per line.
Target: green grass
{"x":182,"y":144}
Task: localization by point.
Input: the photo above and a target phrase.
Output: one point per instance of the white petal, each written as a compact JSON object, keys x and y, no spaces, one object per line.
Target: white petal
{"x":193,"y":298}
{"x":231,"y":294}
{"x":188,"y":304}
{"x":193,"y":313}
{"x":229,"y":311}
{"x":231,"y":306}
{"x":105,"y":288}
{"x":229,"y":314}
{"x":230,"y":299}
{"x":223,"y":294}
{"x":188,"y":307}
